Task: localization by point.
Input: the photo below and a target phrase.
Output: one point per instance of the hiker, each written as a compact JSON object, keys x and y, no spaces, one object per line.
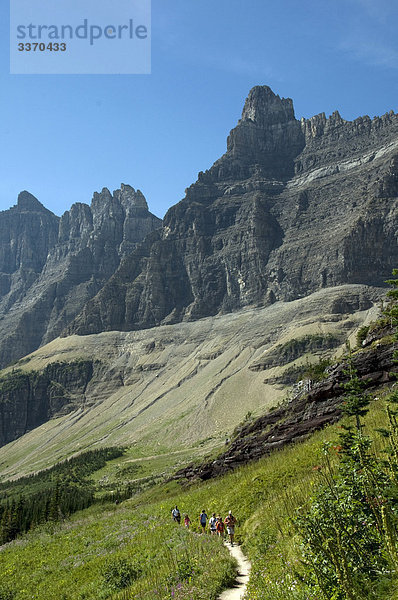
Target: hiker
{"x":220,"y":527}
{"x":212,"y":524}
{"x":187,"y":521}
{"x":230,"y":523}
{"x":175,"y":513}
{"x":203,"y":519}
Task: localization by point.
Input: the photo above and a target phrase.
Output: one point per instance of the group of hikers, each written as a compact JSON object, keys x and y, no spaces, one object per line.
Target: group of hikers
{"x":216,"y":525}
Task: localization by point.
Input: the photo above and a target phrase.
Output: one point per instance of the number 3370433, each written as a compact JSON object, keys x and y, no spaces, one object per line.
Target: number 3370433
{"x":42,"y":47}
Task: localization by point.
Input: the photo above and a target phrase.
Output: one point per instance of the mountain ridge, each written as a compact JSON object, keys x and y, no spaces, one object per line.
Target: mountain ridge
{"x":50,"y":266}
{"x":291,"y":207}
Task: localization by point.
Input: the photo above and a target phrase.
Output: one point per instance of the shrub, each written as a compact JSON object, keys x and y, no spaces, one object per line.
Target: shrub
{"x":120,"y":573}
{"x":349,"y":531}
{"x":6,"y":593}
{"x":361,"y":335}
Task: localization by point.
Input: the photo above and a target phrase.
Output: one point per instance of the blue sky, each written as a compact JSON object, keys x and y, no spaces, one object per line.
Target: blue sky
{"x":64,"y":136}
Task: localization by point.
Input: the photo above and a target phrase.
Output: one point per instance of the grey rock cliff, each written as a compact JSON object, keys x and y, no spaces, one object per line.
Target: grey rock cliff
{"x":29,"y":399}
{"x":292,"y":206}
{"x":50,"y":266}
{"x":28,"y":232}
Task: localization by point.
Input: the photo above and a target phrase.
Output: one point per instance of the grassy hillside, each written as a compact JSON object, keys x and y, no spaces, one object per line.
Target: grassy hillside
{"x":133,"y":550}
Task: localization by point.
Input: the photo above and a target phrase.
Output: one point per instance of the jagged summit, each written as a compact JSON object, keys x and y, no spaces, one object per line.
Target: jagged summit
{"x":265,"y":141}
{"x":264,"y":107}
{"x":126,"y":195}
{"x":129,"y":196}
{"x":50,"y":266}
{"x":26,"y":201}
{"x":291,"y":207}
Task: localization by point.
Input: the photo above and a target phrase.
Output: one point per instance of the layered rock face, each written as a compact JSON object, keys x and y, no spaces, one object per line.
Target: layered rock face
{"x":293,"y":206}
{"x":27,"y":400}
{"x":28,"y":232}
{"x":51,"y":266}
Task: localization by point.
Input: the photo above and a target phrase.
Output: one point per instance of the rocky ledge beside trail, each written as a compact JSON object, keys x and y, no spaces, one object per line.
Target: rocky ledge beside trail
{"x":309,"y":410}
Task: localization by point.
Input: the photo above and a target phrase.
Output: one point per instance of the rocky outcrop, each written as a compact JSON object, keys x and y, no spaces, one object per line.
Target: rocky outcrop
{"x":29,"y":399}
{"x":292,"y":206}
{"x":265,"y":142}
{"x":307,"y":412}
{"x":290,"y":351}
{"x":50,"y":266}
{"x":28,"y":232}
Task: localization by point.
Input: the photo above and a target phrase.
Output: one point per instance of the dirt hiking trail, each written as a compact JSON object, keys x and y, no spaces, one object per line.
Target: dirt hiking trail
{"x":244,"y":566}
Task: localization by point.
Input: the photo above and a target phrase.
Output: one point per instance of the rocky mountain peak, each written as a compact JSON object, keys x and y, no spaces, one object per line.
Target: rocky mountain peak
{"x":50,"y":266}
{"x":100,"y":198}
{"x":130,"y":197}
{"x":265,"y":141}
{"x":290,"y":208}
{"x":263,"y":107}
{"x":26,"y":201}
{"x":336,"y":119}
{"x":318,"y":125}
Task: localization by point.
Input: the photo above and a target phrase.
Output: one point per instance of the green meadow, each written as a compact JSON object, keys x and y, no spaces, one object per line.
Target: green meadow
{"x":134,"y":550}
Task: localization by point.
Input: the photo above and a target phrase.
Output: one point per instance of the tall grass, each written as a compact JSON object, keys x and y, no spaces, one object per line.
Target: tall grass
{"x":134,"y":550}
{"x":99,"y":553}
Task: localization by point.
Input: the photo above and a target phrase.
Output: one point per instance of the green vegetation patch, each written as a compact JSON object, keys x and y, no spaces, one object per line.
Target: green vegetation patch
{"x":52,"y":494}
{"x":314,"y":371}
{"x":309,"y":343}
{"x":134,"y":551}
{"x":11,"y":382}
{"x":293,"y":349}
{"x":58,"y":373}
{"x":120,"y":552}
